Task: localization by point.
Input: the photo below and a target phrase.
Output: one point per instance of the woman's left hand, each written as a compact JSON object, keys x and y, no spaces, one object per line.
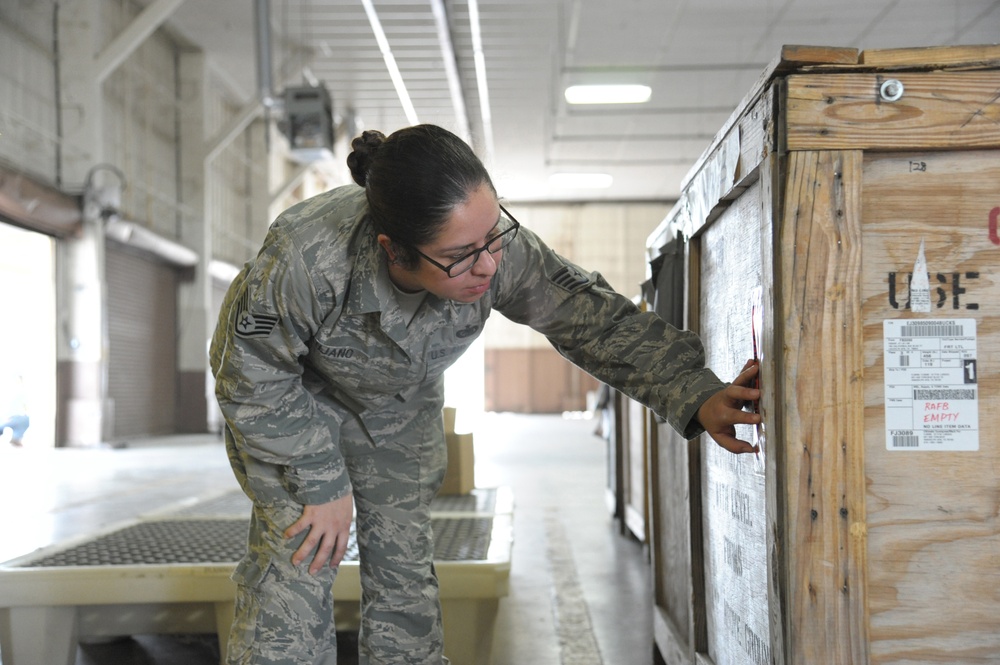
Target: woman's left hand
{"x":721,"y":412}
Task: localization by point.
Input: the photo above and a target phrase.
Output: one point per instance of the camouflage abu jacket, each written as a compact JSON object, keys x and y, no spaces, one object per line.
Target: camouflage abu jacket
{"x":310,"y":329}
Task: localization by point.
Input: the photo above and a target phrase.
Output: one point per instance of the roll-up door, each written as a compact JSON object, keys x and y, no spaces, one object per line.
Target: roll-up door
{"x":142,"y":325}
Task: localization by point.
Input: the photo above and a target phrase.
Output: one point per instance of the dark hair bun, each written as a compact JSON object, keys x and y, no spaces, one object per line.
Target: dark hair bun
{"x":364,"y":149}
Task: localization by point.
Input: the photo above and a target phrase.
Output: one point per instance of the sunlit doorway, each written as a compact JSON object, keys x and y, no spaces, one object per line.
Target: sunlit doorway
{"x":464,"y":387}
{"x":28,"y":330}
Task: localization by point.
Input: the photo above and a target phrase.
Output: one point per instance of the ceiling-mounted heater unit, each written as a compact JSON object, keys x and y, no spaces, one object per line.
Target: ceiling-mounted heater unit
{"x":308,"y":123}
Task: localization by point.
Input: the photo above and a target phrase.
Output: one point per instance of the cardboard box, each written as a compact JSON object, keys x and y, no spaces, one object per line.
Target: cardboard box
{"x":449,"y":419}
{"x":459,"y":476}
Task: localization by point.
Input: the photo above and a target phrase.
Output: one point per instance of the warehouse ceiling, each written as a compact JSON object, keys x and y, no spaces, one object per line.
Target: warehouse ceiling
{"x":495,"y":71}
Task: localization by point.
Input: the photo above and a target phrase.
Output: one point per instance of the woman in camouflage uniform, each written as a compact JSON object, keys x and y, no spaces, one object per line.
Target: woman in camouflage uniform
{"x":329,"y":359}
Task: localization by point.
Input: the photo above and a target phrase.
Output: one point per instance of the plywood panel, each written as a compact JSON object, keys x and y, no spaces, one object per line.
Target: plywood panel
{"x":933,"y":516}
{"x":733,"y":492}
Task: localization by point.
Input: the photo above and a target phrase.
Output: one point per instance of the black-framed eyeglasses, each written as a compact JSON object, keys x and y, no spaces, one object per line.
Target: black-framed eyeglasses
{"x":504,"y":232}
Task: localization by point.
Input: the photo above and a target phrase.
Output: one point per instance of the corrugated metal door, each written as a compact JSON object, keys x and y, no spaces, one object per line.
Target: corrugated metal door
{"x":142,"y":325}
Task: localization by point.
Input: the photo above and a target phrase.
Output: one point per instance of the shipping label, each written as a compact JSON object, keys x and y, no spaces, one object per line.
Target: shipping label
{"x":931,"y":390}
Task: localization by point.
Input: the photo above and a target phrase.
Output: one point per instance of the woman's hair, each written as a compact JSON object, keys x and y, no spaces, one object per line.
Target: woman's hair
{"x":414,"y":179}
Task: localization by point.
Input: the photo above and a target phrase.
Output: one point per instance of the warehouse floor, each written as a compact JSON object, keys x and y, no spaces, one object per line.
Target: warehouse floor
{"x":579,"y":590}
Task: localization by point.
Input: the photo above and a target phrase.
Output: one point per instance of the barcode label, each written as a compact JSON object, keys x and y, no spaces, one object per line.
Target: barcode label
{"x":904,"y":361}
{"x":905,"y":441}
{"x":939,"y":395}
{"x":931,"y":329}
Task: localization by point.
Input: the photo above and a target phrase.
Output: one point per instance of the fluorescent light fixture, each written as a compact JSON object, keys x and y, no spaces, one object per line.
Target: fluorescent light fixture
{"x":608,"y":94}
{"x":390,"y":63}
{"x":580,"y":180}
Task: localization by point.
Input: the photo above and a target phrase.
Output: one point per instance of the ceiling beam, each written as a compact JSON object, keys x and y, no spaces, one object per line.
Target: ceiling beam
{"x":132,"y":37}
{"x":250,"y":112}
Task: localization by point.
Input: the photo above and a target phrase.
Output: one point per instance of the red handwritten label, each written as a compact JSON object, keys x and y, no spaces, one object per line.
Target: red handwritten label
{"x":939,"y":412}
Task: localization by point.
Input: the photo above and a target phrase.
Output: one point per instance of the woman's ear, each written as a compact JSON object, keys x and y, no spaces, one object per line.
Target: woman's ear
{"x":386,"y":243}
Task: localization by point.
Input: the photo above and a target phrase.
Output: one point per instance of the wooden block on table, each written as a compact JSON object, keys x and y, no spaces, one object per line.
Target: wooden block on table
{"x":459,"y":477}
{"x":449,"y":419}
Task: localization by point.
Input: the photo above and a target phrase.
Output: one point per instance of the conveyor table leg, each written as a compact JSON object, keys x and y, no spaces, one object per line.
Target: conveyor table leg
{"x":224,"y":613}
{"x":30,"y":635}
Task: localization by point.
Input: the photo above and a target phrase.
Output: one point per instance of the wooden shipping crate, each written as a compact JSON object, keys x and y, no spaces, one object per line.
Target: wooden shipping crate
{"x":628,"y":465}
{"x":843,"y":227}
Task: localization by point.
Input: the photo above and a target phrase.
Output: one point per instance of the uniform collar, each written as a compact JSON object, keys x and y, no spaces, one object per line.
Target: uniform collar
{"x":371,"y":290}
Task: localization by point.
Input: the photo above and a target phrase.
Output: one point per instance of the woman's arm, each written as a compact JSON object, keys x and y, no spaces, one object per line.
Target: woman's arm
{"x":605,"y":334}
{"x":269,"y":314}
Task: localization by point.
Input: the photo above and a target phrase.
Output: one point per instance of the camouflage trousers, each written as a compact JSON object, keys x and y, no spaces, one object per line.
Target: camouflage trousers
{"x":284,"y":615}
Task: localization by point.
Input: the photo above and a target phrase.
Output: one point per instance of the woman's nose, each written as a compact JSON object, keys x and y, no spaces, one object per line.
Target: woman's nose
{"x":486,"y":264}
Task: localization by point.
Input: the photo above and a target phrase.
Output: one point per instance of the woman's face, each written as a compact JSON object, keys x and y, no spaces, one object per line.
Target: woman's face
{"x":469,"y":227}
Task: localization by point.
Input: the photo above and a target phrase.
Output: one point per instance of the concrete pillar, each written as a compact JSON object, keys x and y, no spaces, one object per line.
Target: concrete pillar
{"x":81,"y":338}
{"x":195,"y":320}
